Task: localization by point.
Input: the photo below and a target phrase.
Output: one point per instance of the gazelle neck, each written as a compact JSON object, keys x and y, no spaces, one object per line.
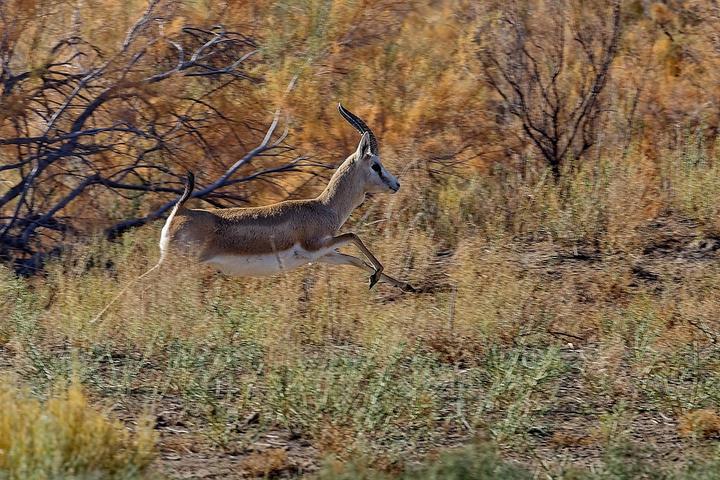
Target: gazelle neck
{"x":343,"y":194}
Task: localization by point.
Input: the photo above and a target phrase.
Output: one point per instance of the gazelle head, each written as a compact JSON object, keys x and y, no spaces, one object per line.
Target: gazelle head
{"x":371,"y":172}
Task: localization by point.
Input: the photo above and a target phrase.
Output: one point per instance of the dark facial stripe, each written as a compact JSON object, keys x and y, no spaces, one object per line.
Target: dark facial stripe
{"x":377,"y":168}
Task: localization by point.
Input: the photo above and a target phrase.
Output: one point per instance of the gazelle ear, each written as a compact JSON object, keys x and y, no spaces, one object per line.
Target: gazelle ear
{"x":363,"y":146}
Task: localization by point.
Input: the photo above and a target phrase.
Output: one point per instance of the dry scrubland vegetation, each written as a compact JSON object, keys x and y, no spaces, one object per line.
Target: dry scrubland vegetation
{"x":569,"y":325}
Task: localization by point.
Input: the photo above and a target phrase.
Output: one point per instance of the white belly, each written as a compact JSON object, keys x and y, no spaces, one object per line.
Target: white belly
{"x":265,"y":264}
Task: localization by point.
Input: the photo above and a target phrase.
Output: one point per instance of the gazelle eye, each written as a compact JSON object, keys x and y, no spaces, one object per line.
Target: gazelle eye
{"x":376,"y":167}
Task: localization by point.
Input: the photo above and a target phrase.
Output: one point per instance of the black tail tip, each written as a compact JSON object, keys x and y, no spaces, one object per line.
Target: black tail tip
{"x":190,"y":182}
{"x":189,"y":187}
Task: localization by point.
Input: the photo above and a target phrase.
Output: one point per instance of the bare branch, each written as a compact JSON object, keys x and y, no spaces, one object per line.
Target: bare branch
{"x":554,"y":93}
{"x":89,"y":127}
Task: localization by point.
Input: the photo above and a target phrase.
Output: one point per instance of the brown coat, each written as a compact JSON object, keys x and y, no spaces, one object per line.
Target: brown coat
{"x":257,"y":230}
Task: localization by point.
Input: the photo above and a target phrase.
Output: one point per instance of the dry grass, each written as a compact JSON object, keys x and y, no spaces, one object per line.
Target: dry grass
{"x":566,"y":327}
{"x":702,"y":423}
{"x":64,"y":437}
{"x":574,"y":325}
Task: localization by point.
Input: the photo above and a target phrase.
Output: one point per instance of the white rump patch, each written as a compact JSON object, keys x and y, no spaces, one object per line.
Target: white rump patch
{"x":266,"y":264}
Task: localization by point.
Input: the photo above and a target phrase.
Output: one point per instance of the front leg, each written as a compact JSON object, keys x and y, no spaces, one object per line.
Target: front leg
{"x":342,"y":259}
{"x":345,"y":238}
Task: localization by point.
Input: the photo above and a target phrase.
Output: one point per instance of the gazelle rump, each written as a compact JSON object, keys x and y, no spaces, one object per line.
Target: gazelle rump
{"x":266,"y":240}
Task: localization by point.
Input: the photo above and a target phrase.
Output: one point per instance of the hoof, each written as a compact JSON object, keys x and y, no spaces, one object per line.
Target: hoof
{"x":374,"y":279}
{"x":409,"y":288}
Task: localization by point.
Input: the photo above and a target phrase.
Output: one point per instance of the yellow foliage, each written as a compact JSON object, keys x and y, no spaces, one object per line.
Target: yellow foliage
{"x":64,"y":437}
{"x":702,"y":423}
{"x":265,"y":463}
{"x":661,"y":13}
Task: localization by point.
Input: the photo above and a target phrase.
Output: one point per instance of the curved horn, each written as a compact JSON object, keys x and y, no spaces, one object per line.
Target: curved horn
{"x":361,"y":127}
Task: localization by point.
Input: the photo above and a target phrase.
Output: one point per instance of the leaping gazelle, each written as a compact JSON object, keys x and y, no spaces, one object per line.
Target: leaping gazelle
{"x":266,"y":240}
{"x":262,"y":241}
